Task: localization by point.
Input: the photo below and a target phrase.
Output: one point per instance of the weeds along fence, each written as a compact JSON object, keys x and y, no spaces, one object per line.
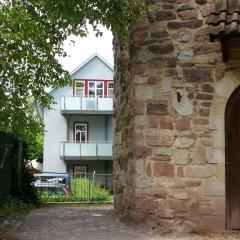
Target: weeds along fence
{"x":11,"y":163}
{"x":74,"y":188}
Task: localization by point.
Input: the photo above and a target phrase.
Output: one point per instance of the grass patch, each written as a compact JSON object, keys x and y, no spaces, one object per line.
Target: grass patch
{"x":15,"y":206}
{"x":82,"y":190}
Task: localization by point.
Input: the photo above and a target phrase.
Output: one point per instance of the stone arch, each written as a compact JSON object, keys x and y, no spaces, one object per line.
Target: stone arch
{"x":223,"y":90}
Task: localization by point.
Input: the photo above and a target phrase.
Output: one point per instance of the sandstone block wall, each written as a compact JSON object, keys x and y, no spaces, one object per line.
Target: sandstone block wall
{"x":171,"y":91}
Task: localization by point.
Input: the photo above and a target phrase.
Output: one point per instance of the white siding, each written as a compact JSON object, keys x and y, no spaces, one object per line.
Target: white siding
{"x":55,"y":131}
{"x":94,"y":69}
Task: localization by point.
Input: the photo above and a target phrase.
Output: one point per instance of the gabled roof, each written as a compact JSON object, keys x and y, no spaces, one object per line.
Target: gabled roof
{"x":88,"y":60}
{"x":83,"y":64}
{"x":224,"y":17}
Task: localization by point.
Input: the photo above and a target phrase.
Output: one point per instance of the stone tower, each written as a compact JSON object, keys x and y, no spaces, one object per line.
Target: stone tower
{"x":173,"y":81}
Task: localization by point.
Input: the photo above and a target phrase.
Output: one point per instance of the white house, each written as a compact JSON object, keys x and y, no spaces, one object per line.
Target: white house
{"x":79,"y":126}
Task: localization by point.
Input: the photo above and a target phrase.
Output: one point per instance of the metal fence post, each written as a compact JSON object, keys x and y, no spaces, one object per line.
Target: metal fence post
{"x":89,"y":188}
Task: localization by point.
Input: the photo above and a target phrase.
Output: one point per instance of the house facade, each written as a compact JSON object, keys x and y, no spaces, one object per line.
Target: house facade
{"x":177,"y":124}
{"x":78,"y":127}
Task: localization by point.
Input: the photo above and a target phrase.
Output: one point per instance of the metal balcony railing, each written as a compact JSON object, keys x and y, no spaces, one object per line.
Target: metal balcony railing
{"x":89,"y":105}
{"x":86,"y":151}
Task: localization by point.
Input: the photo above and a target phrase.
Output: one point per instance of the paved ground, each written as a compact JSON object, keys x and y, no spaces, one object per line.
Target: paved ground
{"x":93,"y":223}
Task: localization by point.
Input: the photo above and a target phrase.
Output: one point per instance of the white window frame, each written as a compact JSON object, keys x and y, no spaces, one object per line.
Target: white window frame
{"x":75,"y":86}
{"x":110,"y":88}
{"x":75,"y":132}
{"x":95,"y":88}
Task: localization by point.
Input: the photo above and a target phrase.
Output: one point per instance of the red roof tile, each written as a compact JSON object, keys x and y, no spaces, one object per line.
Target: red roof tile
{"x":224,"y":17}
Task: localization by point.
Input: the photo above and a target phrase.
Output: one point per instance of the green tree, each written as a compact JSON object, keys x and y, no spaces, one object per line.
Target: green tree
{"x":31,"y":36}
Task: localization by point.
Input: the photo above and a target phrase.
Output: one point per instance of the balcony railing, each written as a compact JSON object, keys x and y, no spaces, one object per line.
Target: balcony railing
{"x":88,"y":105}
{"x":86,"y":151}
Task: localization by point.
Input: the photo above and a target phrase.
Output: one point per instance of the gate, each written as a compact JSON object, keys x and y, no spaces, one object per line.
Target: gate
{"x":88,"y":188}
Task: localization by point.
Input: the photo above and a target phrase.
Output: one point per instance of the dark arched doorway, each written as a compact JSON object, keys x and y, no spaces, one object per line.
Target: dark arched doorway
{"x":232,"y":160}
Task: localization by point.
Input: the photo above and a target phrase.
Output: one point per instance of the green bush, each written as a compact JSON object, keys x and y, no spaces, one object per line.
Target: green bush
{"x":82,"y":190}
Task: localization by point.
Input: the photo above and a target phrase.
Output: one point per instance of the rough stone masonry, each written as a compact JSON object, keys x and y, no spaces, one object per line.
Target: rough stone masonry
{"x":171,"y":90}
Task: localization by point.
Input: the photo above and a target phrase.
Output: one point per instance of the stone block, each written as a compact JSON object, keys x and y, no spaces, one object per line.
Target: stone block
{"x":191,"y":24}
{"x":161,"y":48}
{"x":216,"y":155}
{"x":166,"y":85}
{"x":183,"y":36}
{"x":218,"y":206}
{"x":197,"y":75}
{"x":143,"y":182}
{"x":204,"y":112}
{"x":179,"y":205}
{"x":183,"y":142}
{"x":214,"y":187}
{"x":220,"y":170}
{"x":165,"y":15}
{"x":216,"y":122}
{"x":142,"y":152}
{"x":164,"y":138}
{"x":206,"y":141}
{"x":143,"y":92}
{"x":166,"y":122}
{"x":219,"y":139}
{"x":163,"y":169}
{"x":188,"y":14}
{"x":163,"y":151}
{"x":139,"y":107}
{"x":193,"y":183}
{"x":157,"y":107}
{"x":199,"y":156}
{"x":180,"y":172}
{"x":185,"y":55}
{"x":139,"y":166}
{"x":207,"y":48}
{"x":161,"y":158}
{"x":160,"y":62}
{"x":180,"y":194}
{"x":226,"y":86}
{"x":159,"y":33}
{"x":183,"y":124}
{"x":207,"y":88}
{"x":169,"y":182}
{"x":181,"y":157}
{"x":212,"y":222}
{"x":165,"y":213}
{"x":139,"y":68}
{"x":204,"y":171}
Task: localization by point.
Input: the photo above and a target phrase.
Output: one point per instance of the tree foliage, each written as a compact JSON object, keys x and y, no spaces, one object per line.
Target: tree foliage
{"x":31,"y":36}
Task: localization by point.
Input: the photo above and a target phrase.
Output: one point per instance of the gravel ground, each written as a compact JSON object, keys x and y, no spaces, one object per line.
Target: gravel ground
{"x":94,"y":223}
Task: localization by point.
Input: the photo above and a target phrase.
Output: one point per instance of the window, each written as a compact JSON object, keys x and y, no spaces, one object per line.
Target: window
{"x":80,"y":132}
{"x":95,"y":89}
{"x":80,"y":88}
{"x":110,"y":89}
{"x":80,"y":171}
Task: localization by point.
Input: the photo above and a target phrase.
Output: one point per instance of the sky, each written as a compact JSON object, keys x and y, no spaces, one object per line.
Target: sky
{"x":83,"y":48}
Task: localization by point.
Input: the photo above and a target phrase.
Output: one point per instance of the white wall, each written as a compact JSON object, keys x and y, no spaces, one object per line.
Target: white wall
{"x":56,"y":131}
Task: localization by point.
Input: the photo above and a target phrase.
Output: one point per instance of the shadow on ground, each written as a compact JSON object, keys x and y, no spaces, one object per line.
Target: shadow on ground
{"x":94,"y":223}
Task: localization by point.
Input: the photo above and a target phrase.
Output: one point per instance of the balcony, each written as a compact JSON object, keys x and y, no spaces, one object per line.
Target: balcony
{"x":87,"y":105}
{"x":86,"y":151}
